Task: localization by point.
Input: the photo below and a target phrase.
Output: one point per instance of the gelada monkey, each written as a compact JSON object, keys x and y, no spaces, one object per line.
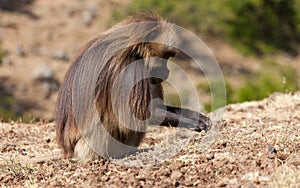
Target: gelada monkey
{"x":113,"y":90}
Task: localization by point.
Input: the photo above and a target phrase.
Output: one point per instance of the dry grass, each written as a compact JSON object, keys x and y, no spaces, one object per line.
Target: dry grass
{"x":257,"y":144}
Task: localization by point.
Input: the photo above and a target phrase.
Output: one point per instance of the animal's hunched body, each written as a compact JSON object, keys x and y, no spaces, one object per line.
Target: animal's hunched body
{"x":106,"y":99}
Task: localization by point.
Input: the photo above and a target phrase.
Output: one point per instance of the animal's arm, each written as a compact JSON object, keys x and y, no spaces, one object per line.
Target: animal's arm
{"x":189,"y":114}
{"x":172,"y":116}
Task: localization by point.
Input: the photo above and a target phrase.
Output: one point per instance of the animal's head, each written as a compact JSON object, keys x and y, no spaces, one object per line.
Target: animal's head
{"x":150,"y":38}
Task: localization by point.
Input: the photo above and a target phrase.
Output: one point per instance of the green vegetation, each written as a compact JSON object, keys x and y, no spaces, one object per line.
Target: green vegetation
{"x":8,"y":104}
{"x":278,"y":78}
{"x":264,"y":26}
{"x":264,"y":83}
{"x":6,"y":112}
{"x":1,"y":57}
{"x":8,"y":115}
{"x":173,"y":99}
{"x":254,"y":27}
{"x":6,"y":100}
{"x":17,"y":169}
{"x":220,"y":98}
{"x":202,"y":17}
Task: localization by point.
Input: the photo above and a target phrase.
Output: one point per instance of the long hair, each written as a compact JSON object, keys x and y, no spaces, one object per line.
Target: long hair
{"x":99,"y":86}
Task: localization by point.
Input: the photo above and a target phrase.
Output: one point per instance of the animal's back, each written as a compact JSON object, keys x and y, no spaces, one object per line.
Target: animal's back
{"x":66,"y":129}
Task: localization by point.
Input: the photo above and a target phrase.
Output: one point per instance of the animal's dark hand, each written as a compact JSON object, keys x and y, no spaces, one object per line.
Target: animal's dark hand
{"x":181,"y":117}
{"x":201,"y":122}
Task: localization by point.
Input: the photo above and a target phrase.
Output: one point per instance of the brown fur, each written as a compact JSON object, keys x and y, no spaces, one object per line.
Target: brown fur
{"x":94,"y":117}
{"x":67,"y":129}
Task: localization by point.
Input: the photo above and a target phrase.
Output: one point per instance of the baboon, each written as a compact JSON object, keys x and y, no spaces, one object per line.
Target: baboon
{"x":113,"y":90}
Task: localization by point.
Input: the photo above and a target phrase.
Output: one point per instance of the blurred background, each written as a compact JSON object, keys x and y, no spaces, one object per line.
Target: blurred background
{"x":256,"y":42}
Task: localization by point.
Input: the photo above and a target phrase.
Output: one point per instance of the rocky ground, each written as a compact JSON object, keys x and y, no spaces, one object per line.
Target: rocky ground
{"x":39,"y":41}
{"x":255,"y":144}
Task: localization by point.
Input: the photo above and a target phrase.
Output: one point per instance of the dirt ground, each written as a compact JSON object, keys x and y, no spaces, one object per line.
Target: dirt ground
{"x":257,"y":145}
{"x":46,"y":34}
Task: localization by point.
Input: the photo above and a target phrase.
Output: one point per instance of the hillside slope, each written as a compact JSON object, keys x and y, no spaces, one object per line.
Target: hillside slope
{"x":258,"y":144}
{"x":44,"y":39}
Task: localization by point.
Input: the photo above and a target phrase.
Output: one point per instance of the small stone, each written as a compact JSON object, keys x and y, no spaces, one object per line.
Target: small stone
{"x":6,"y":62}
{"x":43,"y":73}
{"x":223,"y":182}
{"x":270,"y":149}
{"x":48,"y":140}
{"x":20,"y":51}
{"x":44,"y":76}
{"x":60,"y":55}
{"x":176,"y":183}
{"x":210,"y":157}
{"x":87,"y":17}
{"x":176,"y":175}
{"x":251,"y":185}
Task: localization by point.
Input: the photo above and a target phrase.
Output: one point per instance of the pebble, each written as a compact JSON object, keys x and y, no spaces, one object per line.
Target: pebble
{"x":210,"y":157}
{"x":89,"y":14}
{"x":60,"y":55}
{"x":6,"y":62}
{"x":45,"y":76}
{"x":42,"y":73}
{"x":20,"y":51}
{"x":270,"y":149}
{"x":87,"y":17}
{"x":176,"y":175}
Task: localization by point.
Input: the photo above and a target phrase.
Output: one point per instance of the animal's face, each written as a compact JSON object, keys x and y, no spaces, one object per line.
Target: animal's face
{"x":157,"y":46}
{"x":160,"y":54}
{"x":163,"y":48}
